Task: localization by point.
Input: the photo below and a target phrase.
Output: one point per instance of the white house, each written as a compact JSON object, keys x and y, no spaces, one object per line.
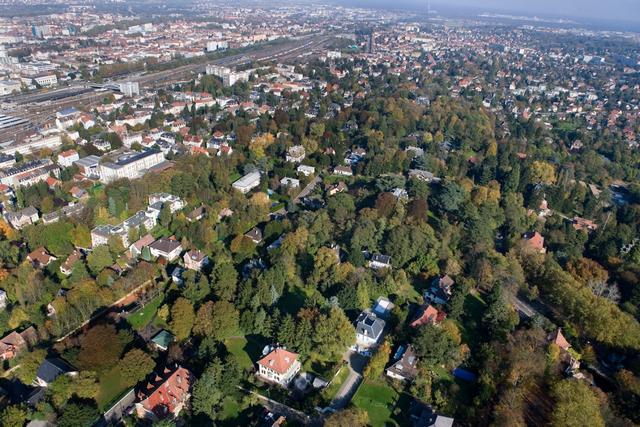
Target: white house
{"x":279,"y":366}
{"x":296,"y":154}
{"x":369,"y":328}
{"x":166,"y":248}
{"x":306,"y":170}
{"x":66,"y":158}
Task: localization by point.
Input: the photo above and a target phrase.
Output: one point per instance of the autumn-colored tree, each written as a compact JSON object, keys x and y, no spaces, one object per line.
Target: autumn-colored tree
{"x":576,"y":405}
{"x":217,"y":319}
{"x":378,"y":361}
{"x":260,"y":143}
{"x":352,"y":417}
{"x":101,"y":347}
{"x":29,"y":364}
{"x":182,"y":318}
{"x":135,"y":366}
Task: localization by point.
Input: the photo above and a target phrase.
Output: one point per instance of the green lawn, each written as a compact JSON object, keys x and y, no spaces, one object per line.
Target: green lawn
{"x":379,"y":401}
{"x":247,"y":349}
{"x":236,"y":346}
{"x":470,"y":323}
{"x":110,"y":389}
{"x":142,"y":317}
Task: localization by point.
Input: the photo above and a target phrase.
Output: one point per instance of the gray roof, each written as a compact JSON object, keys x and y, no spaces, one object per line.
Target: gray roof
{"x":88,"y":161}
{"x":50,"y":369}
{"x":165,"y":245}
{"x":369,"y":324}
{"x":382,"y":259}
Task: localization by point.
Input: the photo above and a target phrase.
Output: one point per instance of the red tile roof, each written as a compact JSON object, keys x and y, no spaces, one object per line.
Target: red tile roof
{"x":279,"y":360}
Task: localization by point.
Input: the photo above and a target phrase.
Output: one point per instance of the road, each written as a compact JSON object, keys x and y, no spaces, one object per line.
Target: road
{"x":308,"y":189}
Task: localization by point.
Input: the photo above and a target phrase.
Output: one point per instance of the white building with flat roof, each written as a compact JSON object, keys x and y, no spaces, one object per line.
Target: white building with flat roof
{"x":247,"y":182}
{"x":130,"y":166}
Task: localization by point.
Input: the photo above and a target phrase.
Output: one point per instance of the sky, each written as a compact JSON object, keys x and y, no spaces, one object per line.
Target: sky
{"x":623,"y":10}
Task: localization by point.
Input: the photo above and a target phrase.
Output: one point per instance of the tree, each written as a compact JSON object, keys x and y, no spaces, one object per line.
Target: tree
{"x":434,"y":346}
{"x":542,"y":172}
{"x":450,"y":198}
{"x":29,"y":364}
{"x":576,"y":405}
{"x":135,"y":366}
{"x":225,"y":280}
{"x":378,"y":361}
{"x":385,"y":203}
{"x":207,"y":395}
{"x":13,"y":416}
{"x":217,"y":319}
{"x":334,"y":333}
{"x":78,"y":415}
{"x":499,"y":318}
{"x":352,"y":417}
{"x":101,"y":347}
{"x":182,"y":318}
{"x":98,"y":259}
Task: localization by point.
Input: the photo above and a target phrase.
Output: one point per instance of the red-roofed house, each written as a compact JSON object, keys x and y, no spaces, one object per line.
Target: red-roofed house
{"x":428,"y":315}
{"x":40,"y":258}
{"x":535,"y":241}
{"x":558,"y":339}
{"x":165,"y":394}
{"x":279,"y":366}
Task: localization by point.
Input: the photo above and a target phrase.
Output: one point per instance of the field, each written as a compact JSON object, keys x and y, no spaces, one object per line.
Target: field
{"x":383,"y":404}
{"x":247,"y":350}
{"x":110,"y":389}
{"x":142,"y":317}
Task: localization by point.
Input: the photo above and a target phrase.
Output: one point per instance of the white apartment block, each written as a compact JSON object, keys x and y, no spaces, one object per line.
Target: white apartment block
{"x":130,"y":166}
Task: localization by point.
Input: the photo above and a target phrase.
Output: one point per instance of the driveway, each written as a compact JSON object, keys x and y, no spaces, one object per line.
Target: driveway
{"x":356,"y":363}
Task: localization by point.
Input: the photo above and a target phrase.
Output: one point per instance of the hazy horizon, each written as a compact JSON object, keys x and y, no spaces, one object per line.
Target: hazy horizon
{"x":612,"y":10}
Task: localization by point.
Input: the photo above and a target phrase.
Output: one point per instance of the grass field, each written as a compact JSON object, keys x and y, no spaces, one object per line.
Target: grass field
{"x":247,"y":349}
{"x":110,"y":389}
{"x":142,"y":317}
{"x":380,"y":402}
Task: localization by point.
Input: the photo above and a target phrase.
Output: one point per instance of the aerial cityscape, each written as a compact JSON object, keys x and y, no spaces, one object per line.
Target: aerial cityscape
{"x":330,"y":213}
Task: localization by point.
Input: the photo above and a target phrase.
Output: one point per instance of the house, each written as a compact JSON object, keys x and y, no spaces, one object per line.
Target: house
{"x":404,"y":364}
{"x":40,"y":258}
{"x":380,"y":261}
{"x":50,"y":369}
{"x":197,"y":214}
{"x":13,"y":343}
{"x":558,"y":339}
{"x":22,"y":218}
{"x":165,"y":394}
{"x":175,"y":203}
{"x":88,"y":166}
{"x":423,"y":415}
{"x":535,"y":242}
{"x":255,"y":234}
{"x":428,"y":315}
{"x":290,"y":182}
{"x":136,"y":248}
{"x":369,"y":328}
{"x":224,"y":213}
{"x":66,"y":158}
{"x":247,"y":182}
{"x":337,"y":188}
{"x":78,"y":192}
{"x":580,"y":224}
{"x":306,"y":170}
{"x":3,"y":299}
{"x":279,"y":366}
{"x":295,"y":154}
{"x":343,"y":171}
{"x":195,"y":260}
{"x":383,"y":307}
{"x":440,"y":290}
{"x":66,"y":267}
{"x":162,"y":340}
{"x":169,"y":249}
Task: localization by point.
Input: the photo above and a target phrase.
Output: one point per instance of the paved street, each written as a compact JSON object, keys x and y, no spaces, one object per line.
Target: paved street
{"x":356,"y":363}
